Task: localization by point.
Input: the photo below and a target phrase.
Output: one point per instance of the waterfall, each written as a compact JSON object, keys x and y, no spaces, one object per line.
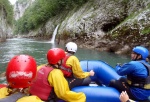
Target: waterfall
{"x":54,"y":35}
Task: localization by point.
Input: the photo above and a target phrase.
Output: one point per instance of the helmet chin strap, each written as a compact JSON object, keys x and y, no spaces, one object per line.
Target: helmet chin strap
{"x":57,"y":66}
{"x":66,"y":49}
{"x":136,"y":59}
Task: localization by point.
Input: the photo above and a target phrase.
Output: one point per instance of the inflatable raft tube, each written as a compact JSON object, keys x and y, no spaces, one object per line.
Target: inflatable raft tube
{"x":103,"y":71}
{"x":95,"y":93}
{"x":99,"y":93}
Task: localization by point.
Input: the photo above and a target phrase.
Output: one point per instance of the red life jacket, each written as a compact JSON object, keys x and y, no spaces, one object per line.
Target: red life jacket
{"x":40,"y":86}
{"x":67,"y":70}
{"x":3,"y":85}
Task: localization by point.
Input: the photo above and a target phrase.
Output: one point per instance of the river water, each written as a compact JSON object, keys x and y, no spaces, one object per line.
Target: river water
{"x":38,"y":50}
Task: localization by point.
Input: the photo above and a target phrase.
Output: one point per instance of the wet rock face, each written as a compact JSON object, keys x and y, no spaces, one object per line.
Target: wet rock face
{"x":134,"y":31}
{"x":118,"y":32}
{"x":106,"y":25}
{"x":5,"y":28}
{"x":20,"y":7}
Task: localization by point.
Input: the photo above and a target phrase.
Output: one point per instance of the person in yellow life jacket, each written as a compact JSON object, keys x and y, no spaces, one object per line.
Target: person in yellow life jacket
{"x":50,"y":84}
{"x":21,"y":70}
{"x":72,"y":69}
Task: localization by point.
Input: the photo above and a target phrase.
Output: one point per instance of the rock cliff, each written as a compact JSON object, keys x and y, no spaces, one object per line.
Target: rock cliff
{"x":5,"y":27}
{"x":111,"y":25}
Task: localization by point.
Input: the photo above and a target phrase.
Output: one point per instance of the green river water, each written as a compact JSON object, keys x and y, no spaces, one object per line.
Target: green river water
{"x":38,"y":50}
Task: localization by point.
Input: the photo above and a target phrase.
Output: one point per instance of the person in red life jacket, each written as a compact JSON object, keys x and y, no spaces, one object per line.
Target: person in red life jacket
{"x":72,"y":69}
{"x":50,"y":83}
{"x":20,"y":72}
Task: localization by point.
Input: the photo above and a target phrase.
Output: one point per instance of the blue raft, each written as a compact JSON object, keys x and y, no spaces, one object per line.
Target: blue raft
{"x":103,"y":71}
{"x":103,"y":74}
{"x":99,"y":93}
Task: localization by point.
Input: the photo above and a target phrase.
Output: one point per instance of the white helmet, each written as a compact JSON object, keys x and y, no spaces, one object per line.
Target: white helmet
{"x":71,"y":46}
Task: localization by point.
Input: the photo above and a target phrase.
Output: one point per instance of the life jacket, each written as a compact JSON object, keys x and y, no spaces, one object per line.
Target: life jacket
{"x":2,"y":85}
{"x":67,"y":70}
{"x":40,"y":86}
{"x":138,"y":81}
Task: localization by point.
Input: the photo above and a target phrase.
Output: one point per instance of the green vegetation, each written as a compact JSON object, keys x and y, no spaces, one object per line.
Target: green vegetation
{"x":41,"y":11}
{"x":146,"y":30}
{"x":7,"y":8}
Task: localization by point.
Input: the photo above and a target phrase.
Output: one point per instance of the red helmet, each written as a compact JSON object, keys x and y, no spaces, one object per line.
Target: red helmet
{"x":21,"y":70}
{"x":54,"y":55}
